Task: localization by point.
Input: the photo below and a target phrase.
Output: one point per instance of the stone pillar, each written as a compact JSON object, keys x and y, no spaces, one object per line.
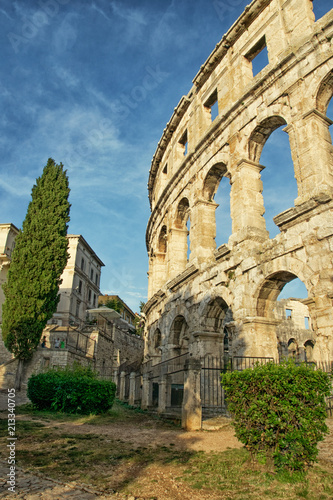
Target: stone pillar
{"x":258,"y":337}
{"x":311,"y":149}
{"x":177,"y":252}
{"x":160,"y":270}
{"x":191,"y":409}
{"x":203,"y":231}
{"x":247,"y":204}
{"x":146,"y":392}
{"x":162,"y":395}
{"x":115,"y":376}
{"x":151,"y":289}
{"x":122,"y":386}
{"x":207,"y":344}
{"x":131,"y":399}
{"x":321,"y":312}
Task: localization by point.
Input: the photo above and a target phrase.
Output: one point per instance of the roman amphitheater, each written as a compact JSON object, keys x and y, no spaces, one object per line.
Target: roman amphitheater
{"x":221,"y":303}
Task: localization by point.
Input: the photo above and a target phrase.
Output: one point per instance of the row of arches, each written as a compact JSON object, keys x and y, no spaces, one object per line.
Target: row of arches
{"x":228,"y":198}
{"x":216,"y":322}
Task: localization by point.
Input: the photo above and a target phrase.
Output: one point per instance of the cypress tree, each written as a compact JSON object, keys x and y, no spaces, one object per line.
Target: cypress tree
{"x":38,"y":260}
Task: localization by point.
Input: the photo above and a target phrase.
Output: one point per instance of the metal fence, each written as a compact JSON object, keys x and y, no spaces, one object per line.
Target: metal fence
{"x":212,"y":391}
{"x":173,"y":370}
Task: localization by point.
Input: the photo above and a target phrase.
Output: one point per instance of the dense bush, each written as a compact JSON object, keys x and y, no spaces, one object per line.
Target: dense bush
{"x":280,"y":411}
{"x":75,"y":390}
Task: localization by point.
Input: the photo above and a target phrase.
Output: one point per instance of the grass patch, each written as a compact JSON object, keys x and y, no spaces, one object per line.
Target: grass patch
{"x":62,"y":446}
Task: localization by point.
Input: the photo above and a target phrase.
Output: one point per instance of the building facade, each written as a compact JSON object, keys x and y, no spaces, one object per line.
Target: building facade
{"x":207,"y":301}
{"x":8,"y":233}
{"x":79,"y":289}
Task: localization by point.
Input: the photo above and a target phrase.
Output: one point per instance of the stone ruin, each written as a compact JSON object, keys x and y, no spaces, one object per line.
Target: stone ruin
{"x":221,"y":303}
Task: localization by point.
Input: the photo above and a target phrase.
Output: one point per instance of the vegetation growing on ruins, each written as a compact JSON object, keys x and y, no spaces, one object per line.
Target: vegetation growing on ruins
{"x":38,"y":260}
{"x":71,"y":390}
{"x":279,"y":411}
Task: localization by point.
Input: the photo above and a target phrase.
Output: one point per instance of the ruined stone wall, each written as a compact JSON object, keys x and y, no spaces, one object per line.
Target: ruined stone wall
{"x":230,"y":292}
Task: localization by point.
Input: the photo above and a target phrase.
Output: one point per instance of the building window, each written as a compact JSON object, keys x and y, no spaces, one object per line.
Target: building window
{"x":165,"y":169}
{"x":89,"y":295}
{"x":258,"y":56}
{"x":92,"y":274}
{"x":77,"y":312}
{"x":96,"y":279}
{"x":288,"y":313}
{"x":80,"y":287}
{"x":94,"y":299}
{"x":82,"y":264}
{"x":184,"y":143}
{"x":212,"y":105}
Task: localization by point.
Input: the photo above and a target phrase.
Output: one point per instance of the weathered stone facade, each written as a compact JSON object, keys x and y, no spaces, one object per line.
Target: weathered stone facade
{"x":230,"y":292}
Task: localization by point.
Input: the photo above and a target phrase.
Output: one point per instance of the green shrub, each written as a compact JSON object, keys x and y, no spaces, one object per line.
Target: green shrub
{"x":279,"y":410}
{"x":71,"y":390}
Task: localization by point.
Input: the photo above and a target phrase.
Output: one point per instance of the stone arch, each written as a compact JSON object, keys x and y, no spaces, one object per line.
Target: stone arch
{"x":162,"y":240}
{"x":182,"y":213}
{"x":280,"y":267}
{"x":270,"y":290}
{"x":212,"y":180}
{"x":325,"y":93}
{"x":157,"y":339}
{"x":260,"y":135}
{"x":293,"y":349}
{"x":308,"y":350}
{"x":179,"y":334}
{"x":216,"y":311}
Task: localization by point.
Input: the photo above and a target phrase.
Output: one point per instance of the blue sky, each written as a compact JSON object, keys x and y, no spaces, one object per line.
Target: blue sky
{"x":92,"y":85}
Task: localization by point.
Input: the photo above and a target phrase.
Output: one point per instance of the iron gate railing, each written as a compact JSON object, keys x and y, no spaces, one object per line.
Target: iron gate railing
{"x":212,"y":391}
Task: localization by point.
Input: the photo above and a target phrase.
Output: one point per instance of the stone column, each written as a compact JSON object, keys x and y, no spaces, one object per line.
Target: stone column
{"x":160,"y":270}
{"x":321,"y":312}
{"x":311,"y":149}
{"x":115,"y":376}
{"x":247,"y":204}
{"x":191,"y":409}
{"x":203,"y":231}
{"x":177,"y":251}
{"x":146,"y":392}
{"x":162,"y":395}
{"x":207,"y":344}
{"x":257,"y":338}
{"x":131,"y":399}
{"x":122,"y":386}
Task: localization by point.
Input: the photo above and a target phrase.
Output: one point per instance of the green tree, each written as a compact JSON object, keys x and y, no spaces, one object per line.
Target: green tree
{"x":38,"y":260}
{"x":114,"y":304}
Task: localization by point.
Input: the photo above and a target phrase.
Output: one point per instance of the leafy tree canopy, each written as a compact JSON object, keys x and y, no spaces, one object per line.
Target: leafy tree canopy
{"x":38,"y":260}
{"x":114,"y":304}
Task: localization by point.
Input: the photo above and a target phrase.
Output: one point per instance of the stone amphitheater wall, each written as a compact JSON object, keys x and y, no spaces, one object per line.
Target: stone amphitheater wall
{"x":197,"y":298}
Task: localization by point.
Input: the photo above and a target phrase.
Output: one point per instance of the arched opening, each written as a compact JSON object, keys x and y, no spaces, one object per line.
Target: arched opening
{"x":292,"y":349}
{"x":283,"y":298}
{"x":183,"y":224}
{"x":215,"y":321}
{"x":157,"y":341}
{"x":217,"y":188}
{"x":179,"y":336}
{"x":270,"y":146}
{"x":162,"y":240}
{"x":222,"y":213}
{"x":308,"y":348}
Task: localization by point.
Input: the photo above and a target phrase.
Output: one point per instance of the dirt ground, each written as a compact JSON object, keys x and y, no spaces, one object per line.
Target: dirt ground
{"x":158,"y":481}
